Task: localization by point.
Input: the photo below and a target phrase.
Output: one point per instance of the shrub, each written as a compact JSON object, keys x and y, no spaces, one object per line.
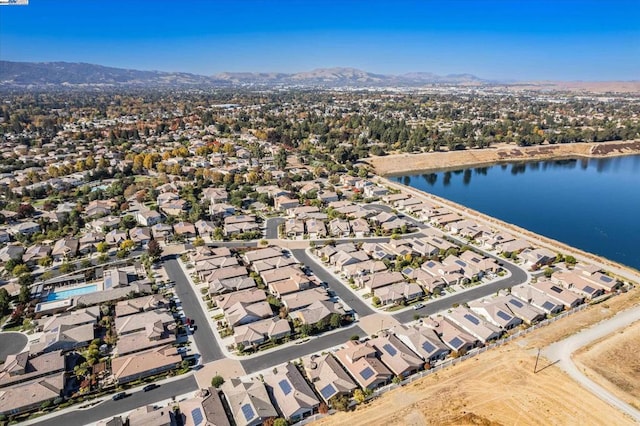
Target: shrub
{"x":217,"y":381}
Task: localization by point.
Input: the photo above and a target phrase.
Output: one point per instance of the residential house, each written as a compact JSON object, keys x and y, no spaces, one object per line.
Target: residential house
{"x":496,"y":312}
{"x":151,"y":415}
{"x":154,"y":335}
{"x":328,"y":377}
{"x":64,"y":338}
{"x":215,"y":195}
{"x":161,"y":231}
{"x":25,"y":228}
{"x":226,"y":273}
{"x":578,"y":283}
{"x":204,"y":409}
{"x":31,"y":395}
{"x":11,"y":252}
{"x":262,"y":254}
{"x":473,"y":324}
{"x":23,"y":367}
{"x":339,"y":228}
{"x":567,"y":297}
{"x":398,"y":292}
{"x":303,"y":299}
{"x":423,"y":341}
{"x":205,"y":228}
{"x":294,"y":228}
{"x":361,"y":363}
{"x":115,"y":237}
{"x":376,"y":281}
{"x":283,"y":202}
{"x":249,"y":402}
{"x":292,"y":393}
{"x":228,"y":285}
{"x":33,"y":254}
{"x":147,"y":217}
{"x":185,"y":229}
{"x":138,"y":322}
{"x":75,"y":318}
{"x":319,"y":311}
{"x":272,"y":263}
{"x":104,"y":224}
{"x":252,"y":295}
{"x":537,"y":258}
{"x":243,"y":313}
{"x":401,"y":360}
{"x":316,"y":229}
{"x":537,"y":298}
{"x":65,"y":248}
{"x":451,"y":335}
{"x":140,"y":304}
{"x":144,"y":364}
{"x":140,"y":236}
{"x":295,"y":283}
{"x":258,"y":332}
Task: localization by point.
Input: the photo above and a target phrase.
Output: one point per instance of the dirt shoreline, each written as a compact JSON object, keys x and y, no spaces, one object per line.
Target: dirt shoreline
{"x":398,"y":164}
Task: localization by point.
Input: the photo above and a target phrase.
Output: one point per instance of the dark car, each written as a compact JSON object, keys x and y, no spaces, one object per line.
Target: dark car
{"x":150,"y":387}
{"x":118,"y":396}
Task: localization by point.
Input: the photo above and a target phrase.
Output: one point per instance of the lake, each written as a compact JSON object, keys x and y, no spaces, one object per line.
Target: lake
{"x":590,"y":204}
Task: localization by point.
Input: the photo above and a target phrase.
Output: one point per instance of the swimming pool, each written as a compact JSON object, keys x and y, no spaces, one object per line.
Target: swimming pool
{"x":66,"y":294}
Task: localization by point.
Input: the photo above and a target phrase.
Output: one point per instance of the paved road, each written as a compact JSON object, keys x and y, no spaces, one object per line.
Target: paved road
{"x":293,"y":352}
{"x":11,"y":343}
{"x":355,"y":302}
{"x":204,"y":337}
{"x":110,"y":408}
{"x":272,"y":227}
{"x":560,"y":352}
{"x":518,"y":276}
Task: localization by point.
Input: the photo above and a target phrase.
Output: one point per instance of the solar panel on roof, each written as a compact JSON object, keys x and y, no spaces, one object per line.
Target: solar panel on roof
{"x":389,"y":349}
{"x":428,"y":347}
{"x":516,"y":302}
{"x":367,"y":373}
{"x":197,"y":416}
{"x":285,"y":386}
{"x":548,"y":305}
{"x":471,"y":318}
{"x":247,"y":411}
{"x":407,"y":271}
{"x":327,"y":391}
{"x":455,"y":342}
{"x":556,"y":289}
{"x":588,"y":289}
{"x":605,"y":278}
{"x":504,"y":315}
{"x":461,"y":263}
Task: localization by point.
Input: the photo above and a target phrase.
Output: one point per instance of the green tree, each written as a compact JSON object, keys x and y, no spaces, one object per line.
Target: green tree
{"x":67,"y":267}
{"x":335,"y":320}
{"x":217,"y":381}
{"x":19,"y":270}
{"x":198,"y":242}
{"x":280,"y":422}
{"x":280,"y":159}
{"x":46,"y":261}
{"x":25,"y":294}
{"x":340,"y":402}
{"x":5,"y":300}
{"x":548,"y":272}
{"x":127,"y":245}
{"x":102,"y":247}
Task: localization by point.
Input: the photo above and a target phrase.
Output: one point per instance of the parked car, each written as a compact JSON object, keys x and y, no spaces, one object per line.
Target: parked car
{"x":150,"y":387}
{"x":119,"y":396}
{"x":418,"y":306}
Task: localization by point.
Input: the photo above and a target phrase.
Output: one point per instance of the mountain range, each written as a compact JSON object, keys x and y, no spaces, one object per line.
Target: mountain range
{"x":68,"y":74}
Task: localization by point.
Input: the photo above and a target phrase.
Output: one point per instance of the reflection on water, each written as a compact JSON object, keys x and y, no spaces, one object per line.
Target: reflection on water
{"x":588,"y":203}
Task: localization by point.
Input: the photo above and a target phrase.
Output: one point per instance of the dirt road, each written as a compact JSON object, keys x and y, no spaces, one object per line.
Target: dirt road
{"x":560,"y":353}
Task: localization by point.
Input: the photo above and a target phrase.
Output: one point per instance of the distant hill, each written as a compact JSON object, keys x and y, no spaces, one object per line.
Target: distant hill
{"x":67,"y":74}
{"x":79,"y":74}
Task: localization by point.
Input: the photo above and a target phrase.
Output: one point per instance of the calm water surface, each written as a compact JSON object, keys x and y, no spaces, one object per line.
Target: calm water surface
{"x":590,"y":204}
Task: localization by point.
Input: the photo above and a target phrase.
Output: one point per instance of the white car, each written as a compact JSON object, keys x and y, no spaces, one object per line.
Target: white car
{"x":418,"y":306}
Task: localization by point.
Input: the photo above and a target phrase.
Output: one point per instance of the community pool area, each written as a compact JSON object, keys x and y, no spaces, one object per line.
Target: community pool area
{"x":71,"y":292}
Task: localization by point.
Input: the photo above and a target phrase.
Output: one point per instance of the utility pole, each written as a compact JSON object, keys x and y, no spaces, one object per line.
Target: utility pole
{"x":535,"y":368}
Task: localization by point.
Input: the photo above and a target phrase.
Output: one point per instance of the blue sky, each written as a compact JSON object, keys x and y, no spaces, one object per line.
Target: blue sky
{"x":516,"y":39}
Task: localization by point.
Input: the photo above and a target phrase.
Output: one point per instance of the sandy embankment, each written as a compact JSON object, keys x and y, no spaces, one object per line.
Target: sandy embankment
{"x":431,"y":161}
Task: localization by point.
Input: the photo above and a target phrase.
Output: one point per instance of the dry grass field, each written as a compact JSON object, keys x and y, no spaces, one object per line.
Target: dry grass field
{"x":402,"y":163}
{"x":499,"y":387}
{"x":614,"y":364}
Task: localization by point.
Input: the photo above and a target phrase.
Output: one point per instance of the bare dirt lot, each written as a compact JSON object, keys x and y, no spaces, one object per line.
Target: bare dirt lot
{"x":614,"y":364}
{"x":499,"y":386}
{"x":401,"y":163}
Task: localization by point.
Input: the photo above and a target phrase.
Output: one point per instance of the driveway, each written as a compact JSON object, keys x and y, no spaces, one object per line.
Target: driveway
{"x":11,"y":343}
{"x":560,"y":353}
{"x":272,"y":227}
